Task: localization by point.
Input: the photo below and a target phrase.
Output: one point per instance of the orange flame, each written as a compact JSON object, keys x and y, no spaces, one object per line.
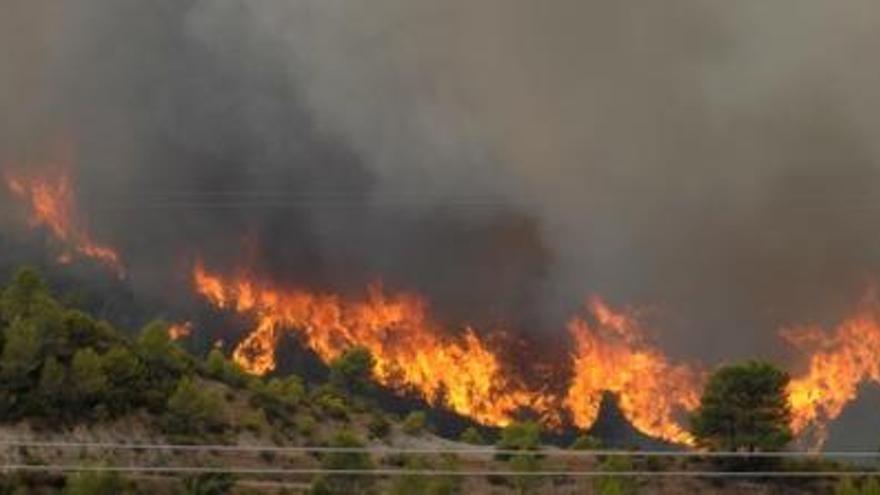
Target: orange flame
{"x":180,"y":331}
{"x":461,"y":372}
{"x":613,"y":356}
{"x":52,"y":202}
{"x":841,"y":361}
{"x":411,"y":352}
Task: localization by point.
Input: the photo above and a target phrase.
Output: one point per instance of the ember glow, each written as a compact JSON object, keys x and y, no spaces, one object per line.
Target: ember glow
{"x":52,"y":203}
{"x":613,"y":355}
{"x":413,"y":354}
{"x":180,"y":331}
{"x":840,"y":361}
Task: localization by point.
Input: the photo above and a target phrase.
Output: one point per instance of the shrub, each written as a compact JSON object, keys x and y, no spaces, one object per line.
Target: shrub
{"x":194,"y":410}
{"x":305,"y":424}
{"x":94,"y":483}
{"x":379,"y":426}
{"x":21,"y":353}
{"x":357,"y":461}
{"x":127,"y":378}
{"x":353,"y":370}
{"x":615,"y":485}
{"x":331,"y":403}
{"x":289,"y":390}
{"x":52,"y":387}
{"x":414,"y":423}
{"x":209,"y":484}
{"x":215,"y":364}
{"x":847,"y":486}
{"x":521,"y":436}
{"x":586,"y":442}
{"x":89,"y":383}
{"x":255,"y":421}
{"x":472,"y":436}
{"x":158,"y":350}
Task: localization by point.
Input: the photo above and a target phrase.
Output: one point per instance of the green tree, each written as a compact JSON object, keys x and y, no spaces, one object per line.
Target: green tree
{"x":26,"y":295}
{"x":221,"y":368}
{"x":52,"y":386}
{"x":158,"y":350}
{"x":95,"y":483}
{"x":353,"y":370}
{"x":193,"y":409}
{"x":81,"y":330}
{"x":744,"y":408}
{"x":21,"y":354}
{"x":88,"y":381}
{"x":126,"y":375}
{"x":215,"y":364}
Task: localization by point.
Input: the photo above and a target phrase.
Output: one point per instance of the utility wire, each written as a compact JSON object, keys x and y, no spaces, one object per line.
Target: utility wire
{"x":429,"y":472}
{"x":426,"y":451}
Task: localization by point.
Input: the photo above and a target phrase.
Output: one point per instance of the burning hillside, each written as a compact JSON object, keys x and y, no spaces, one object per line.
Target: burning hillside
{"x":463,"y":369}
{"x":839,"y":361}
{"x":52,"y":202}
{"x":613,"y":356}
{"x":459,"y":370}
{"x":263,"y":162}
{"x":456,"y":371}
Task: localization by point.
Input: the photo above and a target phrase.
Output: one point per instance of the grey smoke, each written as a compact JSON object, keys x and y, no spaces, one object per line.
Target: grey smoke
{"x":715,"y":160}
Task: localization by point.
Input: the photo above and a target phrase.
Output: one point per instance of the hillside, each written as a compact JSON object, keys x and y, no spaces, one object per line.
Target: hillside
{"x":142,"y":415}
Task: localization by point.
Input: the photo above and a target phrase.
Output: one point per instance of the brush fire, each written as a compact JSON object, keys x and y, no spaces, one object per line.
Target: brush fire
{"x":462,"y":369}
{"x":52,"y":202}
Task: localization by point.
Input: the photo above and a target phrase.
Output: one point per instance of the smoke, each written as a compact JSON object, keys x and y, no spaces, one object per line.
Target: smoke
{"x":716,"y":160}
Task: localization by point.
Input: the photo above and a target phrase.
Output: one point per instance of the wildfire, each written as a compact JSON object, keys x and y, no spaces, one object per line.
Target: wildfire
{"x":411,"y":352}
{"x":53,"y":205}
{"x":613,"y":356}
{"x":462,"y":372}
{"x":841,"y":361}
{"x":180,"y":331}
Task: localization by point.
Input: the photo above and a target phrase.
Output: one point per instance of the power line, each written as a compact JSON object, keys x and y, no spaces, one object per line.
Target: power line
{"x":439,"y":451}
{"x":429,"y":472}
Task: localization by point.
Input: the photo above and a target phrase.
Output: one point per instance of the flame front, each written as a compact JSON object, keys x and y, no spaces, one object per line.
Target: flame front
{"x":840,"y":362}
{"x":411,"y":352}
{"x":612,"y":356}
{"x":52,"y":202}
{"x":462,"y":372}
